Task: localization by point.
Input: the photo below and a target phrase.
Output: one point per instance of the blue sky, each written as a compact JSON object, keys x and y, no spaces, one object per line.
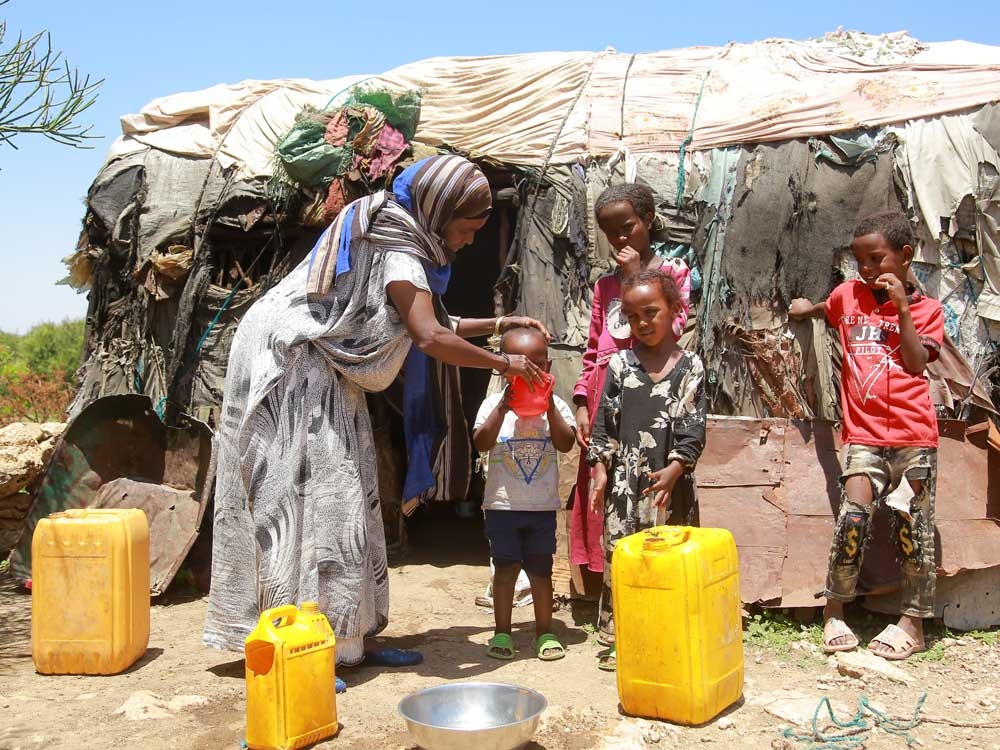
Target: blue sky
{"x":145,"y":50}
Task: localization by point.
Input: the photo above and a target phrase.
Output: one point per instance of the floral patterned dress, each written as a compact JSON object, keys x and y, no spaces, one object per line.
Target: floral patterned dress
{"x":641,"y":426}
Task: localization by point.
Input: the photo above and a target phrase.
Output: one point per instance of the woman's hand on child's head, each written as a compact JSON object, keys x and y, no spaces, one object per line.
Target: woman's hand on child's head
{"x":583,"y":426}
{"x":628,"y":260}
{"x":800,"y":308}
{"x":511,"y":322}
{"x":598,"y":483}
{"x":663,"y":482}
{"x":896,"y":289}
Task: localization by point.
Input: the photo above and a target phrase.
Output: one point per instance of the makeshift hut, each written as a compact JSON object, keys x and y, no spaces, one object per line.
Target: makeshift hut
{"x":762,"y":156}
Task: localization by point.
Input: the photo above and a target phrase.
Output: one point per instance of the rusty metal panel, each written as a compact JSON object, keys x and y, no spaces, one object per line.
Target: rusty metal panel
{"x":172,"y":515}
{"x":968,"y":545}
{"x":742,"y":452}
{"x":759,"y":529}
{"x":804,"y":572}
{"x":122,"y":437}
{"x":962,"y":476}
{"x":741,"y":488}
{"x":812,"y":468}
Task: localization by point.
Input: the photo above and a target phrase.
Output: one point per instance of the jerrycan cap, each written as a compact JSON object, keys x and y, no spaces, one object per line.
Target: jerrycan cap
{"x":309,"y":607}
{"x":662,"y":539}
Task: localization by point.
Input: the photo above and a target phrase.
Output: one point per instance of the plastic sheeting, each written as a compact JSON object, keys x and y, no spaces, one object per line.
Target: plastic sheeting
{"x":948,"y":159}
{"x":521,"y":109}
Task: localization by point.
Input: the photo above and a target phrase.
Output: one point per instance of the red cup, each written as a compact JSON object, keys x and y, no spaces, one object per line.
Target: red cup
{"x":527,"y":403}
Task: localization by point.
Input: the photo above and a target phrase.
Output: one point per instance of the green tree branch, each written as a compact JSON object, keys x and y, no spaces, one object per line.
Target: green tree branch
{"x":40,"y":93}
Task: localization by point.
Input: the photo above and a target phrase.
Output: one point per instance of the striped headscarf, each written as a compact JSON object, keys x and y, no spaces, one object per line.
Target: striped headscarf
{"x":425,"y":197}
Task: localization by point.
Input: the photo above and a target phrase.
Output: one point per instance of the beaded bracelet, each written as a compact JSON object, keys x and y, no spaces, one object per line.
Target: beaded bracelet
{"x":507,"y":366}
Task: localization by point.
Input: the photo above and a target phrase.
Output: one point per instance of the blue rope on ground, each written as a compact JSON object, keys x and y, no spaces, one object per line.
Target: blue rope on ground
{"x":858,"y":729}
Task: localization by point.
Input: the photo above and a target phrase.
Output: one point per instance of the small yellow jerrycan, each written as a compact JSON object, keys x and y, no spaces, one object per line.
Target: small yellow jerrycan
{"x":678,"y":624}
{"x":291,"y":700}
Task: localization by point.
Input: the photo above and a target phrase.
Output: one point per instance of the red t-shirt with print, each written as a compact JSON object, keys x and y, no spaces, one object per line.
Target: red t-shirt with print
{"x":883,"y":403}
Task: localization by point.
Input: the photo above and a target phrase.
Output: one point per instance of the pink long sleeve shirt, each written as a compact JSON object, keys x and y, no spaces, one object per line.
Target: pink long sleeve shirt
{"x":609,"y":329}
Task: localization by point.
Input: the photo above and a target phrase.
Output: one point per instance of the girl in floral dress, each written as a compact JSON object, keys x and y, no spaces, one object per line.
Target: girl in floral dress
{"x":625,"y":214}
{"x":649,"y":431}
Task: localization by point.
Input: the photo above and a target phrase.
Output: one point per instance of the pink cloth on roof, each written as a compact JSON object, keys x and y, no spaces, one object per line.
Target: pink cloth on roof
{"x":609,"y":333}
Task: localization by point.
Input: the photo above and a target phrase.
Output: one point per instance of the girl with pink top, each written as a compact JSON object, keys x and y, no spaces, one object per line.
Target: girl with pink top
{"x":625,"y":214}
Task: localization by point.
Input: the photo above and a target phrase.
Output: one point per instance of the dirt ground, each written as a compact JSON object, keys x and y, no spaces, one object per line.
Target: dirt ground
{"x":432,"y":591}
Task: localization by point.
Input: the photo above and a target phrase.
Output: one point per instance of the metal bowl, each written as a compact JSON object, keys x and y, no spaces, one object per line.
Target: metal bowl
{"x":473,"y":716}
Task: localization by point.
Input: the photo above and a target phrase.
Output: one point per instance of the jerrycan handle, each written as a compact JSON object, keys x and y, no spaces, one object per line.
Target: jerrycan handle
{"x":71,"y":513}
{"x":664,"y":538}
{"x":287,"y":613}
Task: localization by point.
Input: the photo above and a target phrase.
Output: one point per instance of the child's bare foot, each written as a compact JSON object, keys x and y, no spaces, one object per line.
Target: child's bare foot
{"x":901,"y":640}
{"x":836,"y":635}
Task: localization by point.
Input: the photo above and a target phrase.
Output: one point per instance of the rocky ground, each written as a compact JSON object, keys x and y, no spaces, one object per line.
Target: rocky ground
{"x":181,"y":695}
{"x":24,"y":450}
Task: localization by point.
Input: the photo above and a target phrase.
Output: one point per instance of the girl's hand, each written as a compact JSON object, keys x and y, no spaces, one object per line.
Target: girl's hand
{"x":521,"y":365}
{"x":582,"y":426}
{"x":521,"y":321}
{"x":663,"y":482}
{"x":896,"y":289}
{"x":628,"y":260}
{"x":598,"y":483}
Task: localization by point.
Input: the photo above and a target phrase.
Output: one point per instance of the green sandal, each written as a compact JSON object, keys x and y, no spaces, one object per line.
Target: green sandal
{"x":501,"y":646}
{"x":608,"y":659}
{"x":548,"y":648}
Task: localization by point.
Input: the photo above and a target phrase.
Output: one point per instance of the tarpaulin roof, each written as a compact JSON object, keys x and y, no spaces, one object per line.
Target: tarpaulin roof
{"x":518,"y":108}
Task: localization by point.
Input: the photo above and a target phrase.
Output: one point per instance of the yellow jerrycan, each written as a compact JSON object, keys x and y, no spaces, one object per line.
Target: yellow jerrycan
{"x":678,"y":624}
{"x":291,"y":701}
{"x":89,"y":591}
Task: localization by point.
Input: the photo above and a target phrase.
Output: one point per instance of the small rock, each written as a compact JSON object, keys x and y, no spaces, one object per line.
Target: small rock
{"x":86,"y":696}
{"x":948,"y":642}
{"x":52,"y":429}
{"x":849,"y":670}
{"x":794,"y":707}
{"x":725,"y":722}
{"x":759,"y":660}
{"x":20,"y":457}
{"x":706,"y":738}
{"x":862,"y":664}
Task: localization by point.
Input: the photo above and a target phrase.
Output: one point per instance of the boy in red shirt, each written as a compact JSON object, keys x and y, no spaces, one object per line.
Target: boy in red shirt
{"x":889,"y":332}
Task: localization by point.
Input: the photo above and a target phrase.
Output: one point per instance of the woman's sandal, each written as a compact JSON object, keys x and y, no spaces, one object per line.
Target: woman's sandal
{"x":409,"y":507}
{"x":501,"y":646}
{"x":902,"y":643}
{"x":392,"y":657}
{"x":548,"y":648}
{"x":608,"y":659}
